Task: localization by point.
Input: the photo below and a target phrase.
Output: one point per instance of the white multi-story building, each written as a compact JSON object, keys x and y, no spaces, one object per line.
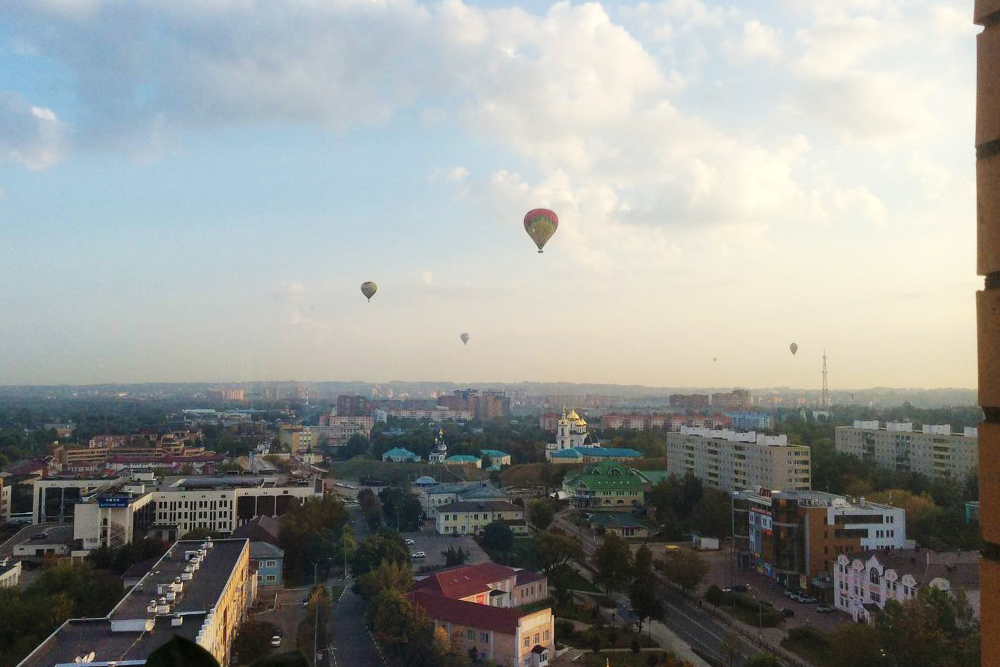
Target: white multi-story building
{"x":731,"y":460}
{"x":219,"y":505}
{"x":866,"y":582}
{"x":933,"y":451}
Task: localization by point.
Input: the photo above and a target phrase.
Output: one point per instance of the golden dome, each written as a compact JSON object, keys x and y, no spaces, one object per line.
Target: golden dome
{"x":572,"y":416}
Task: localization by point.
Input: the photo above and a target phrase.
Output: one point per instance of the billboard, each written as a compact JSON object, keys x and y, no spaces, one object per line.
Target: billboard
{"x":113,"y":501}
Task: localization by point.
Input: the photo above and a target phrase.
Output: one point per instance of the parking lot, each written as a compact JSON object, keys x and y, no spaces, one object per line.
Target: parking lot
{"x":768,"y":590}
{"x":433,"y":544}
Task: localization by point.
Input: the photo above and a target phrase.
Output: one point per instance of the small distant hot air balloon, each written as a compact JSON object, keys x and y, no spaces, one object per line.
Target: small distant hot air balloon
{"x":465,"y":338}
{"x":368,"y":289}
{"x":541,"y":224}
{"x":794,"y":348}
{"x":714,"y":359}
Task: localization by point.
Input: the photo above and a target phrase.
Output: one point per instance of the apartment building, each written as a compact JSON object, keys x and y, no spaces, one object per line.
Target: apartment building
{"x":865,"y":582}
{"x":470,"y":517}
{"x":439,"y":495}
{"x":349,"y":406}
{"x":197,"y":590}
{"x":737,"y":399}
{"x":933,"y":451}
{"x":479,"y":607}
{"x":796,"y":537}
{"x":483,"y":406}
{"x":296,"y":437}
{"x":689,"y":401}
{"x":6,"y":496}
{"x":750,"y":421}
{"x":731,"y":460}
{"x":338,"y":430}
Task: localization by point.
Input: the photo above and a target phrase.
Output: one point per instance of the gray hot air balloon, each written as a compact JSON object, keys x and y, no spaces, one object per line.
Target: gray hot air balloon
{"x":794,"y":348}
{"x":368,"y":289}
{"x":465,"y":338}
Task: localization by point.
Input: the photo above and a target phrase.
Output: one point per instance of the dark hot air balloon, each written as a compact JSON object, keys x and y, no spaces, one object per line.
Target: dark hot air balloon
{"x":541,"y":224}
{"x":368,"y":289}
{"x":465,"y":338}
{"x":794,"y":348}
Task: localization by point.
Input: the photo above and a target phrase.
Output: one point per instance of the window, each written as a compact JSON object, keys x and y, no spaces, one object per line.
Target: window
{"x":873,"y":576}
{"x":545,"y":635}
{"x":471,"y":634}
{"x":270,"y":579}
{"x":536,"y":637}
{"x":484,"y":637}
{"x":270,"y":563}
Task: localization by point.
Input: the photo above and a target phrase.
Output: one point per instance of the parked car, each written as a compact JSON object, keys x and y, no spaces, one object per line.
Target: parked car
{"x":786,"y":612}
{"x":409,"y":542}
{"x":809,"y":600}
{"x":824,"y":609}
{"x":418,"y":554}
{"x":276,"y":641}
{"x":741,"y":588}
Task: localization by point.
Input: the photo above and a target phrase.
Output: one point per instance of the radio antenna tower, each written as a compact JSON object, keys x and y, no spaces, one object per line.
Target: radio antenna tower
{"x":826,"y":388}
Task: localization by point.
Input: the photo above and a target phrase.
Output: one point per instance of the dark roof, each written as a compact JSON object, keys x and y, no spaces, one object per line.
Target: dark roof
{"x":527,"y":577}
{"x":139,"y":570}
{"x":960,"y":568}
{"x":260,"y":550}
{"x":539,"y":649}
{"x":470,"y":614}
{"x":482,"y":505}
{"x":260,"y":529}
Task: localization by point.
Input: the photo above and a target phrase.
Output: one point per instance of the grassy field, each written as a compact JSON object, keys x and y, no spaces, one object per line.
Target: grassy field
{"x":579,"y":583}
{"x":809,"y":643}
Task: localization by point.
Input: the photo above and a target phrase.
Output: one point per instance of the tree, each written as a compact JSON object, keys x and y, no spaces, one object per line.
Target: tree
{"x":730,"y":648}
{"x":561,"y":584}
{"x":453,"y":557}
{"x":714,"y":596}
{"x":309,"y":533}
{"x":763,"y":660}
{"x":554,"y":548}
{"x":540,"y":514}
{"x":197,"y":534}
{"x":712,"y":515}
{"x":401,"y":508}
{"x":643,"y":561}
{"x":685,"y":569}
{"x":613,"y":562}
{"x":642,"y":595}
{"x":357,"y":445}
{"x":497,"y":536}
{"x":857,"y":645}
{"x":934,"y":629}
{"x":392,"y":576}
{"x":385,"y":546}
{"x":253,"y":641}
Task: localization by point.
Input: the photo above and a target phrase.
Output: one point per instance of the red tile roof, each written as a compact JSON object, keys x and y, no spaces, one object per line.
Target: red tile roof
{"x":465,"y":580}
{"x":470,"y":614}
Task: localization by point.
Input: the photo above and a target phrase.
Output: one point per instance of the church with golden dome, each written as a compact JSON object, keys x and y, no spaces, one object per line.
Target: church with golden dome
{"x":571,"y":433}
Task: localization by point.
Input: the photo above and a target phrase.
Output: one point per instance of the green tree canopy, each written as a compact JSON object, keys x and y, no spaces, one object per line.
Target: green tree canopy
{"x":613,"y":562}
{"x":497,"y":536}
{"x":385,"y":546}
{"x":540,"y":514}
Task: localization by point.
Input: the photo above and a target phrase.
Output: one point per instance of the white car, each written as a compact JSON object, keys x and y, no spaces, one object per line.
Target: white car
{"x":409,"y":542}
{"x":418,"y":554}
{"x":276,"y":640}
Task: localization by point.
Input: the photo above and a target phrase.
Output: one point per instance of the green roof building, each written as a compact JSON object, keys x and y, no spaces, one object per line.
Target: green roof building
{"x":606,"y":485}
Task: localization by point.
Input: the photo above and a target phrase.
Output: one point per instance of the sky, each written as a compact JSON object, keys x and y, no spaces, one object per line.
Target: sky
{"x":194,"y":190}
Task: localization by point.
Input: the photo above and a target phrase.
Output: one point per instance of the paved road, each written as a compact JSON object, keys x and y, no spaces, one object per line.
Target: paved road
{"x":693,"y":625}
{"x":349,"y":637}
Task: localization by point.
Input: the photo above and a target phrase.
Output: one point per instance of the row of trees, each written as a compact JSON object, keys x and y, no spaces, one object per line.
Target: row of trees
{"x":684,"y":505}
{"x":310,"y":533}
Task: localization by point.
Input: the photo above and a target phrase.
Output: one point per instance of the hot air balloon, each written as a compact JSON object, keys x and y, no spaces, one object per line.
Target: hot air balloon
{"x":541,"y":224}
{"x":465,"y":338}
{"x":368,"y":289}
{"x":794,"y":348}
{"x":714,"y":359}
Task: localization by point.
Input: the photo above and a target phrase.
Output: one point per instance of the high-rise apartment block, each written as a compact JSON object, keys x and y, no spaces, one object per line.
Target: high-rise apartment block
{"x":731,"y":460}
{"x":933,"y":451}
{"x":484,"y":406}
{"x":689,"y":401}
{"x":737,"y":399}
{"x":352,"y":406}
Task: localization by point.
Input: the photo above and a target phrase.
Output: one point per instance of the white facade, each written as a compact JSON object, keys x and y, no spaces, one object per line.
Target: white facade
{"x":571,"y":433}
{"x":934,"y":451}
{"x":440,"y":452}
{"x":862,"y":584}
{"x":732,"y":461}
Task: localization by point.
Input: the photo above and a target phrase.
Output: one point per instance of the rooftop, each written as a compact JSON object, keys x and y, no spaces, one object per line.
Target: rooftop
{"x":493,"y":453}
{"x":130,"y":632}
{"x":959,"y":568}
{"x":616,"y":520}
{"x":579,"y":452}
{"x":261,"y":550}
{"x":482,"y":505}
{"x":464,"y":580}
{"x":469,"y":614}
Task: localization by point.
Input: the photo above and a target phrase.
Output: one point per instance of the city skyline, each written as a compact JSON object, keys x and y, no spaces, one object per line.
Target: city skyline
{"x":190,"y":192}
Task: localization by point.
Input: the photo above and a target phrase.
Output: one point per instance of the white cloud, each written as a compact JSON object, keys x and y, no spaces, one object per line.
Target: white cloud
{"x":30,"y":135}
{"x":758,"y":41}
{"x":290,"y":292}
{"x":457,"y":173}
{"x":426,"y":277}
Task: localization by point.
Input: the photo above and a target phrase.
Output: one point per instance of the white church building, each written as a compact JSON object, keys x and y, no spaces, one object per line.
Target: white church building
{"x":571,"y":433}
